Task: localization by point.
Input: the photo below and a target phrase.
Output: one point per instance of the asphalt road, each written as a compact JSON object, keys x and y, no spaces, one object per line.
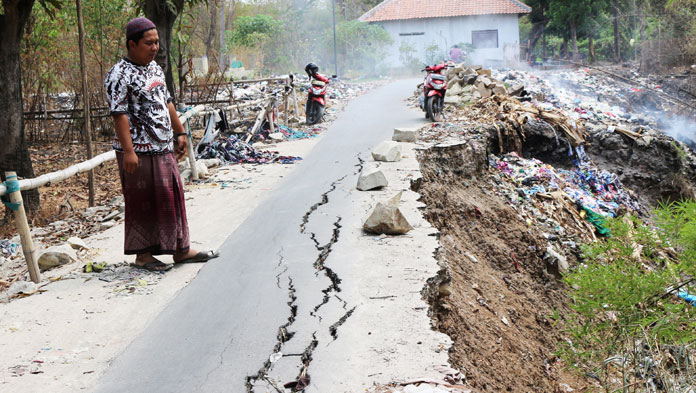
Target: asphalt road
{"x":263,"y":293}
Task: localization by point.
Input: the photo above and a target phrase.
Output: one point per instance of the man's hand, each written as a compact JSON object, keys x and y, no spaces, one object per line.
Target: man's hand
{"x":130,"y":161}
{"x":181,"y":142}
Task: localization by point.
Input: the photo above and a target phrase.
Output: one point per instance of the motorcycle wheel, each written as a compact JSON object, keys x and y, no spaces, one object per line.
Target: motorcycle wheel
{"x":433,"y":108}
{"x":314,"y":112}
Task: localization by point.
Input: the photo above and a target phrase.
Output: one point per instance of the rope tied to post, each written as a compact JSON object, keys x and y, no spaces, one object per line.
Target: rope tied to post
{"x":12,"y":185}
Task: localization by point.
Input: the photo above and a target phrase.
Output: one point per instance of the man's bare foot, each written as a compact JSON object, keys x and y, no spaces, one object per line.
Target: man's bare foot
{"x":148,"y":262}
{"x":194,"y":256}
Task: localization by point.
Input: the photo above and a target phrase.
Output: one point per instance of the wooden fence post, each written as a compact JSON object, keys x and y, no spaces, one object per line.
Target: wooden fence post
{"x":24,"y":234}
{"x":191,"y":154}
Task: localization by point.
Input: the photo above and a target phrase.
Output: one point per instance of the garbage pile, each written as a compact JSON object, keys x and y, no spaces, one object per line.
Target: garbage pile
{"x":470,"y":84}
{"x":232,"y":150}
{"x":590,"y":188}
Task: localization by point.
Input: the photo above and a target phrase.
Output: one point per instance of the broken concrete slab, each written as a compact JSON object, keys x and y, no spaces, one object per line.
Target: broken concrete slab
{"x":388,"y":151}
{"x":405,"y":135}
{"x":484,"y":72}
{"x":371,"y":178}
{"x":57,"y":256}
{"x":516,"y":90}
{"x":386,"y":218}
{"x":500,"y":90}
{"x":453,"y":90}
{"x":469,"y":79}
{"x":453,"y":100}
{"x":77,"y":243}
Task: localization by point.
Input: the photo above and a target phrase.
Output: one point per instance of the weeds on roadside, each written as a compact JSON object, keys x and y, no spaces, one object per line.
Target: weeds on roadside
{"x":629,"y":330}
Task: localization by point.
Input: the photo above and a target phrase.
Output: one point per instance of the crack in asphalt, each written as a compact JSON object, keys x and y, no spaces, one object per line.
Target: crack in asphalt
{"x":330,"y":274}
{"x":333,"y":329}
{"x":283,"y":337}
{"x":313,"y":208}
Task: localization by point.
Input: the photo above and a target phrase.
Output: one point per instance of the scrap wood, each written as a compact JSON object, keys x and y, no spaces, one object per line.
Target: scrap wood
{"x":416,"y":382}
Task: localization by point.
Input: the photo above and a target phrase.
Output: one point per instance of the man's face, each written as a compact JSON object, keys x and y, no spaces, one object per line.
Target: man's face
{"x":144,"y":51}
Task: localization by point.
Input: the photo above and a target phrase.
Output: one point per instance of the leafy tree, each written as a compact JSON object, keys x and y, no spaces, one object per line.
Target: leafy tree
{"x":364,"y":44}
{"x":164,"y":13}
{"x":14,"y":155}
{"x":254,"y":32}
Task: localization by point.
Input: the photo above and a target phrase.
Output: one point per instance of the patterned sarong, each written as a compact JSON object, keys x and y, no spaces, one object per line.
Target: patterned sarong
{"x":155,"y":212}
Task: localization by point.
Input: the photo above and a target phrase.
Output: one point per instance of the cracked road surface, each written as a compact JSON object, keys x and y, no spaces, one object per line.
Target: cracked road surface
{"x":275,"y":289}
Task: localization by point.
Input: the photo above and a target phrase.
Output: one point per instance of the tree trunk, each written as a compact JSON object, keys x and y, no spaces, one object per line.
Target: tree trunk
{"x":593,"y":55}
{"x":643,"y":45}
{"x":615,"y":17}
{"x":222,"y":26}
{"x":544,"y":54}
{"x":14,"y":154}
{"x":563,"y":50}
{"x":534,"y":35}
{"x":87,"y":134}
{"x":574,"y":39}
{"x":210,"y":51}
{"x":163,"y":14}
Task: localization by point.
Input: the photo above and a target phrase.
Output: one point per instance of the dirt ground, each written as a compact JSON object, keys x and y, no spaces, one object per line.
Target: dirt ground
{"x":500,"y":310}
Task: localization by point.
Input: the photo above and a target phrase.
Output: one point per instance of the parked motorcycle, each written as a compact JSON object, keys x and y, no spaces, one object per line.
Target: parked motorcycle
{"x":432,"y":101}
{"x":314,"y":109}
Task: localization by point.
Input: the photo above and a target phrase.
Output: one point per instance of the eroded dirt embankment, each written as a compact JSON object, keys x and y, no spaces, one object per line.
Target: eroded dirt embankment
{"x":496,"y":295}
{"x":501,"y":295}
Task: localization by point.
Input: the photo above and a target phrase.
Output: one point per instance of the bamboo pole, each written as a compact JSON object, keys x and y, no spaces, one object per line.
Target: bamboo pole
{"x":54,"y":177}
{"x":288,"y":84}
{"x":191,"y":155}
{"x":259,"y":121}
{"x":87,"y":131}
{"x":294,"y":99}
{"x":24,"y":234}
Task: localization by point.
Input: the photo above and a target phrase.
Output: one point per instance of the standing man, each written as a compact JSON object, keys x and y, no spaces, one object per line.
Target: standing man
{"x":144,"y":116}
{"x":455,"y":54}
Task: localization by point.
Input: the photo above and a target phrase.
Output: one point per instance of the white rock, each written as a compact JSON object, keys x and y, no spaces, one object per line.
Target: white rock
{"x":454,"y":90}
{"x":277,"y":136}
{"x":77,"y":243}
{"x":454,"y":100}
{"x":387,"y":219}
{"x":186,"y":175}
{"x":211,"y":162}
{"x":389,"y":151}
{"x":57,"y":256}
{"x":556,"y":263}
{"x":202,"y":170}
{"x":25,"y":287}
{"x":405,"y":135}
{"x":371,"y":178}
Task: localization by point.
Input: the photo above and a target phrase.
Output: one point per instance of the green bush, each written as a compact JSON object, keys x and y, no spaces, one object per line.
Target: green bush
{"x":626,"y":321}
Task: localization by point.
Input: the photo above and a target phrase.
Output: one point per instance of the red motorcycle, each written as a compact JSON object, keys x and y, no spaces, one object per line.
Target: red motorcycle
{"x":314,"y":109}
{"x":434,"y":88}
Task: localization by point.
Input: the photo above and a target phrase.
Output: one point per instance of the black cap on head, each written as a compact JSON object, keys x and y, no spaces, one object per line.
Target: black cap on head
{"x":136,"y":26}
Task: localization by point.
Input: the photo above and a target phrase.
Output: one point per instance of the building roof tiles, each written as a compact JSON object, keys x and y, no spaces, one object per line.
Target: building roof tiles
{"x":417,"y":9}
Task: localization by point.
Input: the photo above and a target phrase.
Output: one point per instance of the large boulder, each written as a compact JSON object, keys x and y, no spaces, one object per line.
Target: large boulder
{"x":371,"y":178}
{"x":500,"y":90}
{"x":405,"y":135}
{"x":453,"y":89}
{"x":388,"y":151}
{"x":57,"y":256}
{"x":387,"y":219}
{"x":468,"y":79}
{"x":453,"y":100}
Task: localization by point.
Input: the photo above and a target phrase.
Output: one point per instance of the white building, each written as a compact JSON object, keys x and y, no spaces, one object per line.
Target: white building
{"x":491,"y":26}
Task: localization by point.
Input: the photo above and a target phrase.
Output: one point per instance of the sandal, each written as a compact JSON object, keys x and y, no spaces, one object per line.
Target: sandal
{"x":153,"y":266}
{"x":203,"y":256}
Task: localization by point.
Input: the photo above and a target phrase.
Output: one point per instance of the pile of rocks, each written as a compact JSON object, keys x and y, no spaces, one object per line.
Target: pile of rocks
{"x":470,"y":84}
